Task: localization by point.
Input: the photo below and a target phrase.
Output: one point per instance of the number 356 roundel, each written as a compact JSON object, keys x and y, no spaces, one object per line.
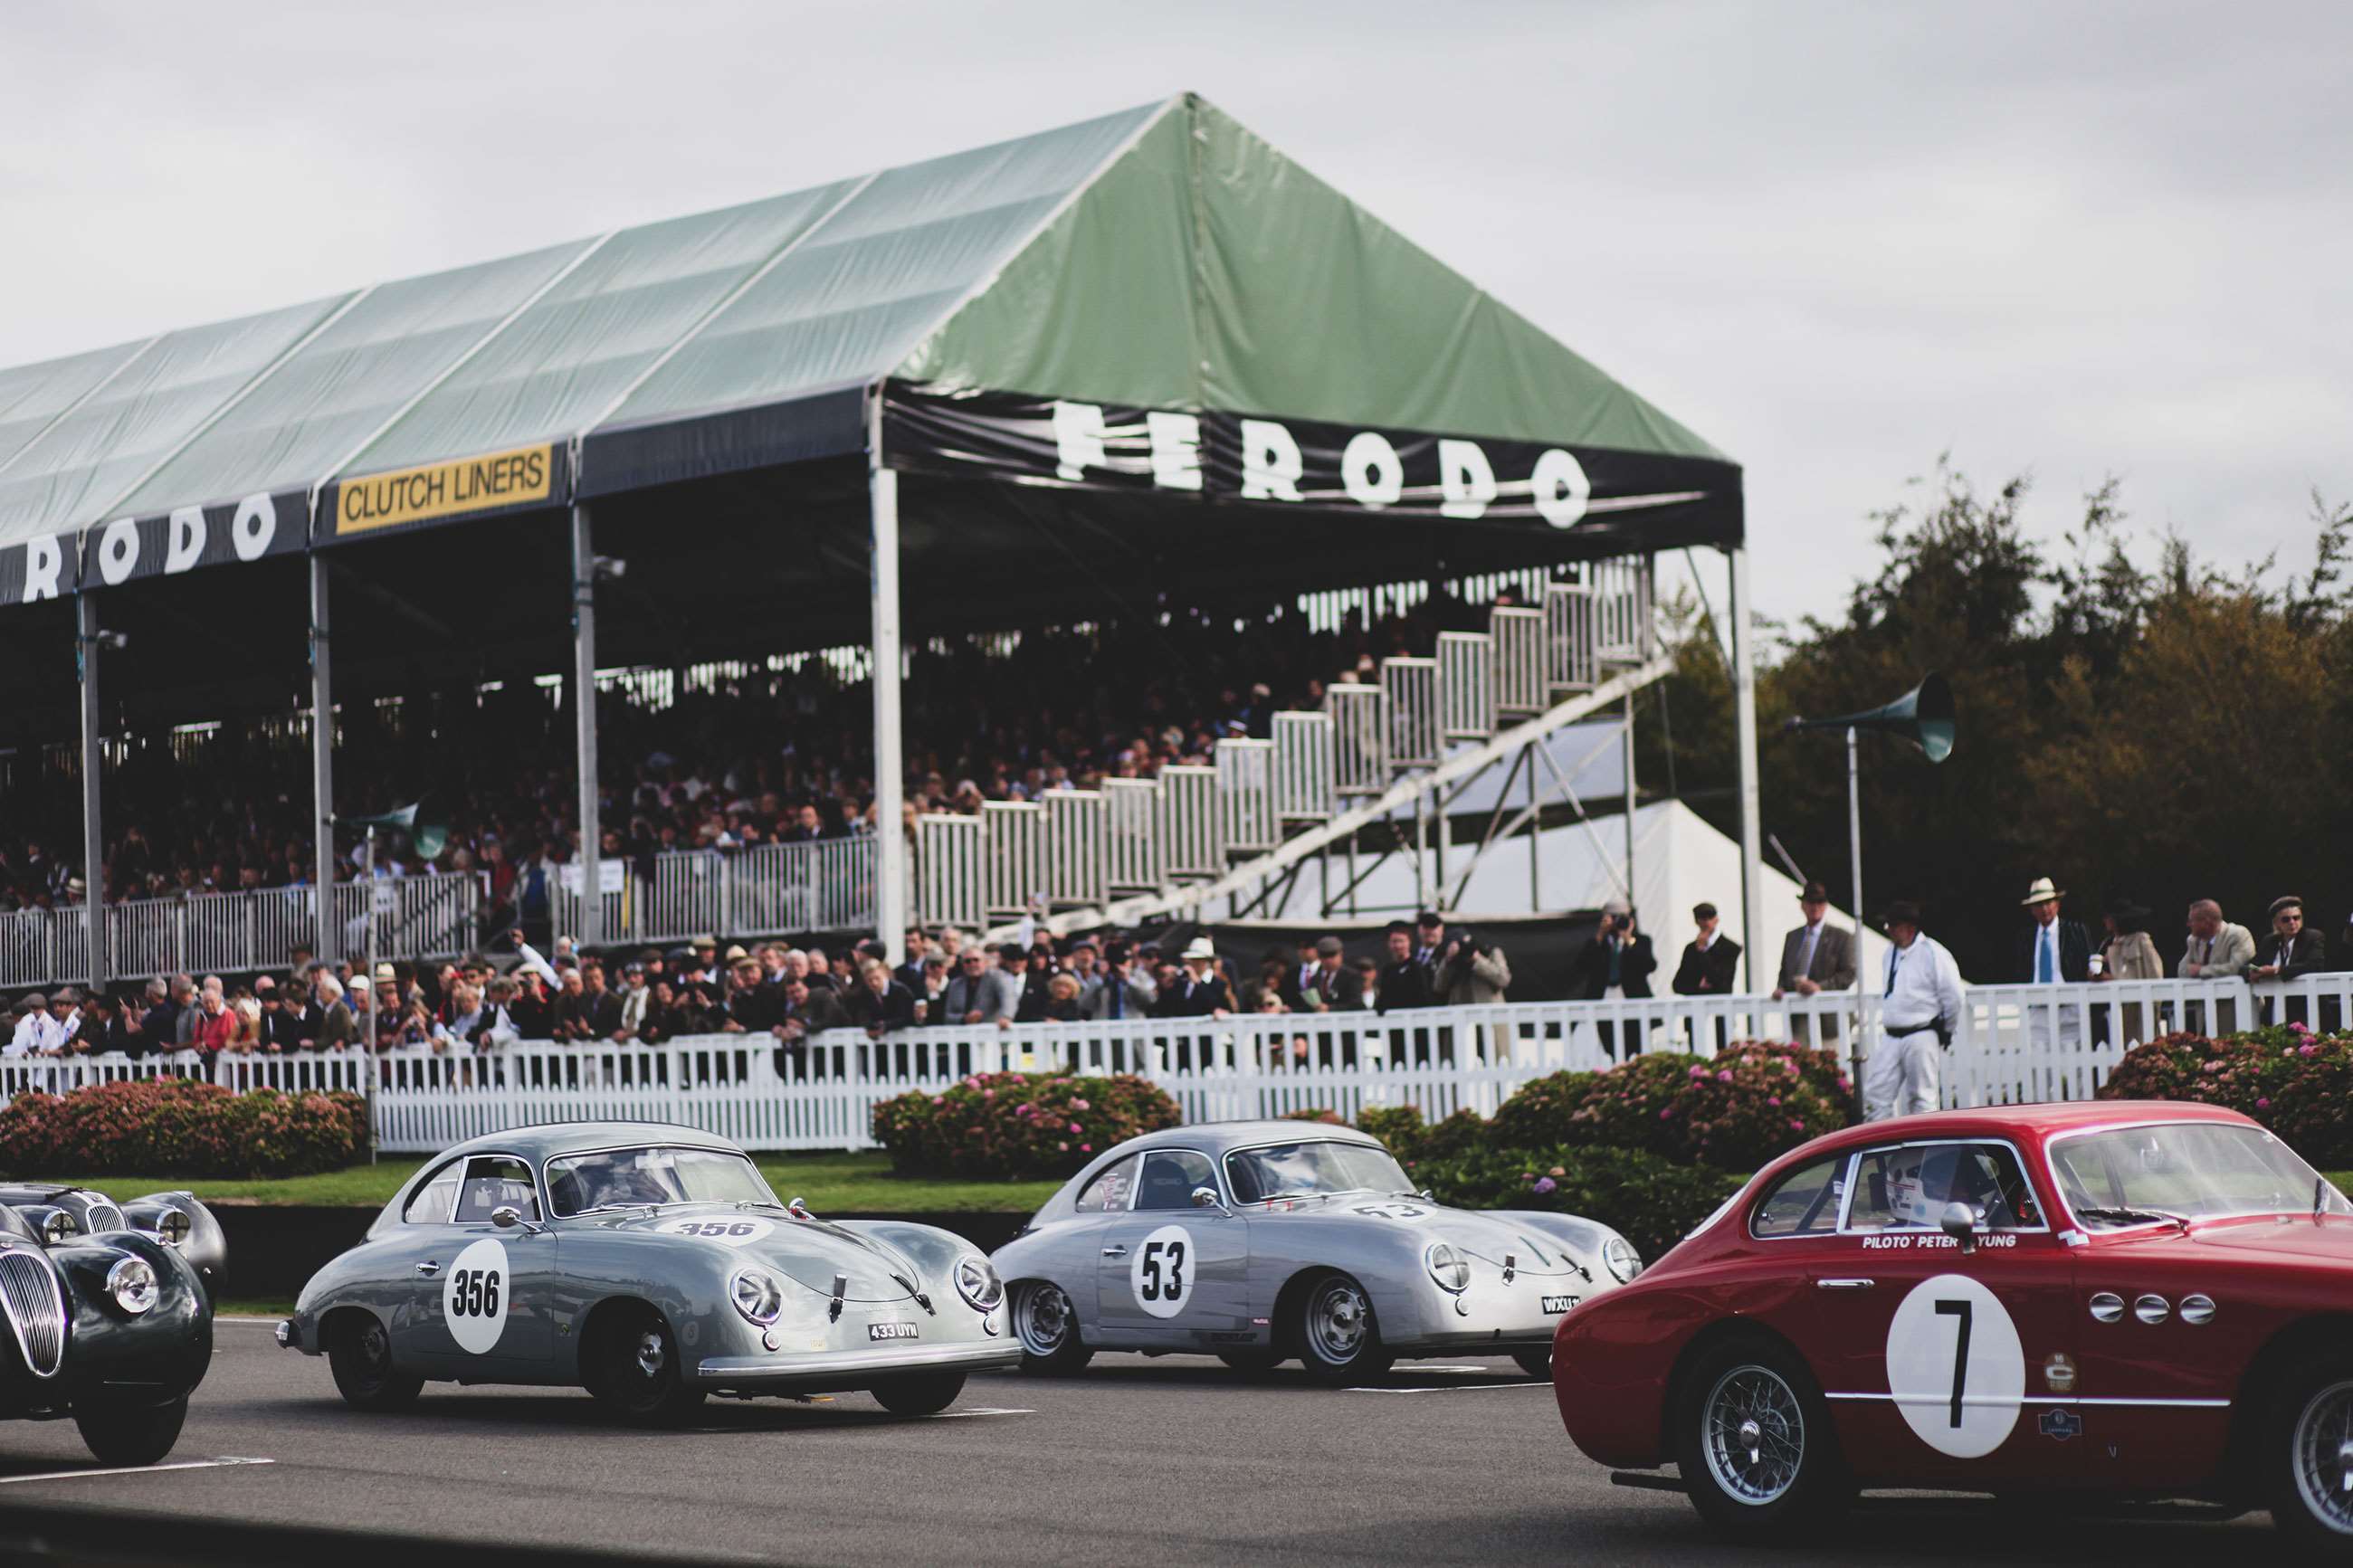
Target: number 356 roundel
{"x":474,"y":1296}
{"x":1160,"y":1272}
{"x":1955,"y":1366}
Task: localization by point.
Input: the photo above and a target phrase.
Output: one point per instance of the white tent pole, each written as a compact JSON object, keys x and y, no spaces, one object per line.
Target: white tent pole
{"x":1744,"y":709}
{"x":591,"y":934}
{"x":890,"y":765}
{"x":93,"y":878}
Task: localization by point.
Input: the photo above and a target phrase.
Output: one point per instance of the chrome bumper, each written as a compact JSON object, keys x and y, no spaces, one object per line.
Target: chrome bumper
{"x":883,"y":1359}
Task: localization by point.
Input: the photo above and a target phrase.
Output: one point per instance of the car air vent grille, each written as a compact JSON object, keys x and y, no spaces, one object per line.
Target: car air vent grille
{"x":35,"y":1305}
{"x":105,"y":1217}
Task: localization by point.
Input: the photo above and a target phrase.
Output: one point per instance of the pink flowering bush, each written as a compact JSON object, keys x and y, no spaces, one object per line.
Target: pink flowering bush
{"x":1734,"y":1110}
{"x":174,"y":1127}
{"x":1014,"y":1124}
{"x":2297,"y":1083}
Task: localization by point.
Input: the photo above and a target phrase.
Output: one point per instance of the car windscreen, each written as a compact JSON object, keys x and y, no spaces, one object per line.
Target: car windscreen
{"x":658,"y":1174}
{"x":2192,"y":1170}
{"x":1303,"y":1170}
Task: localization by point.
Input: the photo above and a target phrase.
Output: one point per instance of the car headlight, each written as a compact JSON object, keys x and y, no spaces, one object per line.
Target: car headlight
{"x":1447,"y":1265}
{"x":756,"y":1295}
{"x":976,"y":1282}
{"x":1617,"y":1254}
{"x":59,"y":1227}
{"x":172,"y":1226}
{"x":132,"y":1283}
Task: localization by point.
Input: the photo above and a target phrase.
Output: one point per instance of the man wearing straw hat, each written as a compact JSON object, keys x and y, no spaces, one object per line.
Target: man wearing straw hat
{"x":2052,"y":952}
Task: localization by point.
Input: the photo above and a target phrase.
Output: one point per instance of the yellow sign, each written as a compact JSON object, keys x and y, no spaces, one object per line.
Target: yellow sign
{"x":445,"y":489}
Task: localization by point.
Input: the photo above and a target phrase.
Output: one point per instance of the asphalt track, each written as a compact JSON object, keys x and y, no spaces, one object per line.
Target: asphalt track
{"x":1137,"y":1460}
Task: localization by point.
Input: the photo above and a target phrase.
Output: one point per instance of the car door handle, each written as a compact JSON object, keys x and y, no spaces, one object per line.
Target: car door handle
{"x":1844,"y":1284}
{"x":428,"y":1269}
{"x":1118,"y":1251}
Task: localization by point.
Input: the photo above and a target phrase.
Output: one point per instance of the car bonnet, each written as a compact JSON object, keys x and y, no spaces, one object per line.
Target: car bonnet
{"x":1488,"y":1237}
{"x":809,"y":1252}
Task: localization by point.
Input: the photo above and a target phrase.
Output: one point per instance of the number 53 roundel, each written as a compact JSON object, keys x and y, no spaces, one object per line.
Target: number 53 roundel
{"x":1161,"y":1272}
{"x":1955,"y":1366}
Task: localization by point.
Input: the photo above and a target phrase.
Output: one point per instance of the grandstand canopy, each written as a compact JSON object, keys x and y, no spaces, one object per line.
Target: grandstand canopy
{"x":1138,"y":358}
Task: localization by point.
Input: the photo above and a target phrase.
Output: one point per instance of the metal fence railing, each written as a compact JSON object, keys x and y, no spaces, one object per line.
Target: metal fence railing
{"x":1570,"y":664}
{"x":1013,"y":837}
{"x":1189,"y":839}
{"x":1302,"y":767}
{"x":1246,"y":796}
{"x":1077,"y":824}
{"x":1131,"y":847}
{"x":1360,"y":737}
{"x":1519,"y":683}
{"x":948,"y":870}
{"x":1625,"y":630}
{"x":1466,"y":685}
{"x":2015,"y":1043}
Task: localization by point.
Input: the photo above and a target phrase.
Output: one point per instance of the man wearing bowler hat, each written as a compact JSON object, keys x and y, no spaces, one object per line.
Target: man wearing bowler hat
{"x":1816,"y":957}
{"x":1920,"y":1006}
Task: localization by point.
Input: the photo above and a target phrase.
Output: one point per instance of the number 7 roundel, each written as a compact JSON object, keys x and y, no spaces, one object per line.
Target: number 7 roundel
{"x":1955,"y":1366}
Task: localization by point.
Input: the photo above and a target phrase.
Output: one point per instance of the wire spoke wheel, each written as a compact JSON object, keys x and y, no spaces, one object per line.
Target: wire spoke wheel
{"x":1753,"y":1435}
{"x":2321,"y":1446}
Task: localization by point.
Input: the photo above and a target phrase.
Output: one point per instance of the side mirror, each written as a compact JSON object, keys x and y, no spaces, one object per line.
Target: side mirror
{"x":1960,"y":1223}
{"x":1207,"y":1198}
{"x":1427,"y":1196}
{"x":506,"y":1217}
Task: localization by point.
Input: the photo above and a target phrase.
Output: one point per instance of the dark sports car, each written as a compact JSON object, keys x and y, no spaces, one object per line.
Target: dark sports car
{"x":58,"y":1214}
{"x":113,"y":1327}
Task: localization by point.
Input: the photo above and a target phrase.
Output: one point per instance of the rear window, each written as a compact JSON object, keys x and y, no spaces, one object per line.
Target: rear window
{"x":430,"y":1204}
{"x":1109,"y":1191}
{"x":1805,"y":1201}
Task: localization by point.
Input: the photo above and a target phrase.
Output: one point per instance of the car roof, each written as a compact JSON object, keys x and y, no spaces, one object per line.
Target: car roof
{"x":2020,"y":1122}
{"x":1216,"y":1137}
{"x":550,"y":1138}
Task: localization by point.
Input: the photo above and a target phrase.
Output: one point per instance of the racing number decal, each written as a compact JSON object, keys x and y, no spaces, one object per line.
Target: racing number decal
{"x":1160,"y":1272}
{"x":726,"y":1231}
{"x":1955,"y":1366}
{"x":474,"y":1296}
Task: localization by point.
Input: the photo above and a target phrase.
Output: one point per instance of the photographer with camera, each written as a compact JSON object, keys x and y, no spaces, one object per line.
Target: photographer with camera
{"x":1472,"y":972}
{"x":1617,"y":964}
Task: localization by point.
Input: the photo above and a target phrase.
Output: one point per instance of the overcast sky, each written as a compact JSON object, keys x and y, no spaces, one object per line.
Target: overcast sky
{"x":1837,"y":240}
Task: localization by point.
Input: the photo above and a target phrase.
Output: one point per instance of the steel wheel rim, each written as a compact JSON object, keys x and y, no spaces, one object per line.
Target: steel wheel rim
{"x":1339,"y":1321}
{"x":1042,"y":1319}
{"x":1752,"y":1434}
{"x":2322,"y":1451}
{"x":651,"y":1355}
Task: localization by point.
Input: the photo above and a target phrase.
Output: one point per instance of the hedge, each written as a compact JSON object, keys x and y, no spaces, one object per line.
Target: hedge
{"x":1735,"y":1111}
{"x":1016,"y":1125}
{"x":2297,"y":1083}
{"x":177,"y":1127}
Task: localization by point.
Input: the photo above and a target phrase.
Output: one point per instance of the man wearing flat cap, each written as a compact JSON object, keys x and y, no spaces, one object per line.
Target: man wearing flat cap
{"x":1816,"y":957}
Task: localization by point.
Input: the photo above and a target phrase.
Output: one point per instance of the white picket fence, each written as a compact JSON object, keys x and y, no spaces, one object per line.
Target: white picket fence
{"x":2017,"y":1043}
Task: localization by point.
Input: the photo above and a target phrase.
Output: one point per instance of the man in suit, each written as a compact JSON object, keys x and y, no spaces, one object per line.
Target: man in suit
{"x":1405,"y":982}
{"x":1126,"y":991}
{"x":1710,"y":966}
{"x":2052,"y":952}
{"x":1334,"y":987}
{"x":1816,"y":957}
{"x":2216,"y":950}
{"x":2289,"y":952}
{"x":1617,"y":963}
{"x":1199,"y":991}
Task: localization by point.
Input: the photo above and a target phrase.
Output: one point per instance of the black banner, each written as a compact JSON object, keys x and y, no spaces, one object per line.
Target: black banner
{"x":1655,"y":501}
{"x":46,"y":566}
{"x":253,"y":529}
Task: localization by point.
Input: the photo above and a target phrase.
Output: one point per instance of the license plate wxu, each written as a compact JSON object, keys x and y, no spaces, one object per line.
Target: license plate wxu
{"x":1558,"y":1303}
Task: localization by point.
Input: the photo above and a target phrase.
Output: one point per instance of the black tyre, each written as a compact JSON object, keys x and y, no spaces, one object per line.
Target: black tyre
{"x":1334,"y":1332}
{"x":1048,"y":1327}
{"x":358,"y":1353}
{"x":2306,"y":1464}
{"x":921,"y":1394}
{"x":1536,"y":1364}
{"x":131,"y":1434}
{"x":634,"y":1372}
{"x":1253,"y":1362}
{"x":1754,"y":1442}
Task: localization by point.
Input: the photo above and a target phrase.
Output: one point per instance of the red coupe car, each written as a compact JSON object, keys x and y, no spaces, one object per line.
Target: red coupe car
{"x":2118,"y":1298}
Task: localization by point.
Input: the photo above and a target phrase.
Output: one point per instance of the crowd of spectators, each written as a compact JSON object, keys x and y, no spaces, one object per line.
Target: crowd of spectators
{"x":792,"y":994}
{"x":757,"y":757}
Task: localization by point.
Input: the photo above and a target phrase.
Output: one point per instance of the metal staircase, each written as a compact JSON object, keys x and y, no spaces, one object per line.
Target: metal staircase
{"x":1140,"y":847}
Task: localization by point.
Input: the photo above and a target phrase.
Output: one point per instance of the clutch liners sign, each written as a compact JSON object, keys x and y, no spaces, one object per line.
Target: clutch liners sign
{"x":495,"y":480}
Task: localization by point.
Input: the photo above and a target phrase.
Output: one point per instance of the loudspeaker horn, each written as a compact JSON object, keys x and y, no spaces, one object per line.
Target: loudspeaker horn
{"x":1923,"y":716}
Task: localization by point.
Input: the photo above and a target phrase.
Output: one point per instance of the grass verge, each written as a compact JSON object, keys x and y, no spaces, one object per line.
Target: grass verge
{"x":839,"y":1182}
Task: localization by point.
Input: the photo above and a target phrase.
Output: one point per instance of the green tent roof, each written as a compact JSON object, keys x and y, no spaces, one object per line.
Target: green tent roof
{"x":1160,"y":258}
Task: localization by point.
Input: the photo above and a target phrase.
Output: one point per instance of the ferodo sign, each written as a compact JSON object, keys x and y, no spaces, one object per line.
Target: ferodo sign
{"x":494,"y":481}
{"x":1216,"y":456}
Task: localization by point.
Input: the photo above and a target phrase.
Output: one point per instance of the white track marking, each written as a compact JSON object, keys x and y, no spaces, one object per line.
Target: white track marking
{"x":960,"y":1414}
{"x":221,"y":1320}
{"x":1451,"y":1388}
{"x":224,"y":1462}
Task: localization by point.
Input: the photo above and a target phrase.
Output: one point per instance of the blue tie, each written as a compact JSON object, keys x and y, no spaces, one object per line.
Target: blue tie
{"x":2043,"y":955}
{"x":1118,"y":999}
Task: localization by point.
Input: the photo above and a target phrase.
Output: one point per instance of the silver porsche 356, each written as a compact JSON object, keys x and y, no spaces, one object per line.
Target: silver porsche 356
{"x":652,"y":1264}
{"x":1260,"y":1241}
